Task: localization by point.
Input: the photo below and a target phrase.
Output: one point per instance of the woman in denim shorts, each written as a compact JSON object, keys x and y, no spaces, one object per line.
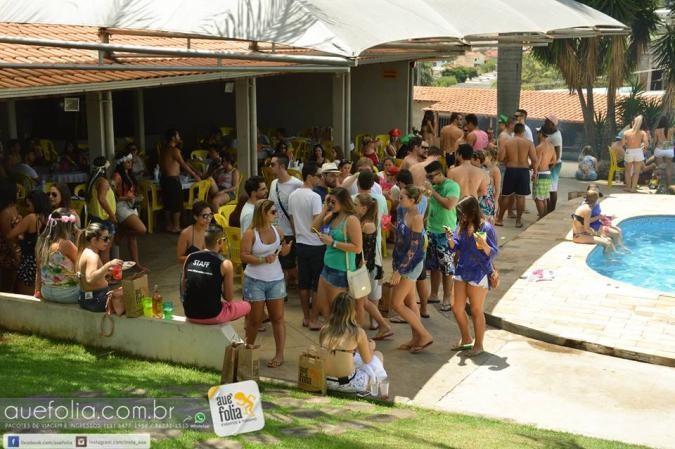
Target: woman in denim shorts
{"x":264,"y":282}
{"x":341,"y":233}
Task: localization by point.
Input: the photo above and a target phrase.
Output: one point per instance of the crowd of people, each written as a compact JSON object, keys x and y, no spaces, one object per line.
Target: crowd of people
{"x":435,"y":195}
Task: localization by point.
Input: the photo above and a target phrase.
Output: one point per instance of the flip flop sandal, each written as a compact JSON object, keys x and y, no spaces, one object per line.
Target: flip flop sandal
{"x":384,"y":336}
{"x":274,"y":364}
{"x":446,"y":307}
{"x":404,"y":347}
{"x":398,"y":320}
{"x":473,"y":353}
{"x":418,"y":349}
{"x":465,"y":347}
{"x":433,"y":301}
{"x":425,"y":315}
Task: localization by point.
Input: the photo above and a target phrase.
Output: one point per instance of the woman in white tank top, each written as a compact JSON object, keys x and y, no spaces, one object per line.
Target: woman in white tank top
{"x":264,"y":282}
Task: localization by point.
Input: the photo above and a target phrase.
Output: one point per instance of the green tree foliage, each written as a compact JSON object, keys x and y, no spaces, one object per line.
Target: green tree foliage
{"x":537,"y":75}
{"x":445,"y":81}
{"x":425,"y":74}
{"x":461,"y":74}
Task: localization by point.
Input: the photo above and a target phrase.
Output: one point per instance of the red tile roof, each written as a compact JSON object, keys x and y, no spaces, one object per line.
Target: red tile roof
{"x":483,"y":101}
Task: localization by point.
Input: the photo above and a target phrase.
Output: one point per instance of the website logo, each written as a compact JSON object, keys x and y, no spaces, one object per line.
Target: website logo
{"x":236,"y":408}
{"x":13,"y":441}
{"x":80,"y":441}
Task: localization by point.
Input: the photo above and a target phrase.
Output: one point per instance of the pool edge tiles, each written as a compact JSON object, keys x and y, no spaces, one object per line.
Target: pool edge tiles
{"x":647,"y":264}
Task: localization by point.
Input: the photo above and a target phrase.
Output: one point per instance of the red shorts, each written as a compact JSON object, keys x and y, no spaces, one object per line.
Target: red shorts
{"x":232,"y":310}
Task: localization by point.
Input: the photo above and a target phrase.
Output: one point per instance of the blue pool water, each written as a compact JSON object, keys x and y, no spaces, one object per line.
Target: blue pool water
{"x":649,"y":260}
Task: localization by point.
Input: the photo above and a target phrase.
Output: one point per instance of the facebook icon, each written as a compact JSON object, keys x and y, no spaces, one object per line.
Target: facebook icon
{"x":13,"y":441}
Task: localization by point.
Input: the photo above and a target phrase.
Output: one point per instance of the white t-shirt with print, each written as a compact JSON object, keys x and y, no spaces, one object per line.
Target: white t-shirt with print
{"x":303,"y":205}
{"x":279,"y":193}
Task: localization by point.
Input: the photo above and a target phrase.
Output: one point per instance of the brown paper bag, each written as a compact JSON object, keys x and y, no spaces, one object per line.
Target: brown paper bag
{"x":228,"y":373}
{"x":384,"y":305}
{"x":311,"y":373}
{"x":248,"y":363}
{"x":133,"y":291}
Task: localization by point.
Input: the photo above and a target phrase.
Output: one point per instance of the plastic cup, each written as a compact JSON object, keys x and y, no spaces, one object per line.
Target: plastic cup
{"x":147,"y":307}
{"x":384,"y":388}
{"x":167,"y":307}
{"x":374,"y":387}
{"x":482,"y":234}
{"x":116,"y":271}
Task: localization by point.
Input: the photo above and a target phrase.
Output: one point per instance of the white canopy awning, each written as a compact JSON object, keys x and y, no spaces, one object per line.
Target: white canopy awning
{"x":341,"y":27}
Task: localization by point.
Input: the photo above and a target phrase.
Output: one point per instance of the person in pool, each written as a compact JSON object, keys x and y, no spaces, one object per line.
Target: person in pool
{"x":603,"y":223}
{"x":581,"y":224}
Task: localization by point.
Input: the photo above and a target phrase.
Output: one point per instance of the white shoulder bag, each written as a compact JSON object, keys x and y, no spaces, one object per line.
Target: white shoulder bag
{"x":358,"y":280}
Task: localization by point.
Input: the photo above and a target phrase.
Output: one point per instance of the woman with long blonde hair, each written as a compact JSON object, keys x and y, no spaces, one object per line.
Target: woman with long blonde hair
{"x":350,"y":358}
{"x":264,"y":283}
{"x":635,"y":142}
{"x":57,"y":279}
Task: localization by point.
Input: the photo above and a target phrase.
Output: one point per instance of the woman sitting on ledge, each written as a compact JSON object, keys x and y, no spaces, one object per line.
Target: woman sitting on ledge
{"x":350,"y":358}
{"x":93,"y":241}
{"x":56,"y":259}
{"x":581,"y":224}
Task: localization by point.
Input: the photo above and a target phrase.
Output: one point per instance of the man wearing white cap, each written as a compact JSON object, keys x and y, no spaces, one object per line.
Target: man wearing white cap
{"x":550,"y":128}
{"x":329,"y":179}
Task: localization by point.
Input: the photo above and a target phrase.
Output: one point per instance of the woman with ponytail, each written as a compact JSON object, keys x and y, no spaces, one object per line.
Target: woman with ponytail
{"x":101,"y":200}
{"x":56,"y":259}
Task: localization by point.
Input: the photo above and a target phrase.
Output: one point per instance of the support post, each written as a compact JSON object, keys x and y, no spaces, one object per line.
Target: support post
{"x":95,"y":125}
{"x":12,"y":131}
{"x":247,"y":151}
{"x":109,"y":128}
{"x":253,"y":124}
{"x":139,"y":123}
{"x":339,"y":111}
{"x":509,"y":69}
{"x":348,"y":115}
{"x":412,"y":78}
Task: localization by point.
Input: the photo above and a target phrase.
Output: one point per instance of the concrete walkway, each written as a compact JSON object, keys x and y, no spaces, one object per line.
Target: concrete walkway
{"x":518,"y":378}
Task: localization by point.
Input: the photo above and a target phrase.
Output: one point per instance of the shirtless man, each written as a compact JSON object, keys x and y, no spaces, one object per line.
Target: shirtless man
{"x":515,"y":155}
{"x":472,"y":180}
{"x":416,"y":154}
{"x":418,"y":171}
{"x":450,"y":136}
{"x":541,"y":184}
{"x":635,"y":141}
{"x":170,"y":164}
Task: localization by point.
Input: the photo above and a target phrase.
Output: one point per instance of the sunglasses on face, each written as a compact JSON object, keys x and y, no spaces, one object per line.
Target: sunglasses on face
{"x":207,"y":216}
{"x":272,"y":211}
{"x":53,"y":194}
{"x":425,"y":147}
{"x":432,"y":175}
{"x":105,"y":238}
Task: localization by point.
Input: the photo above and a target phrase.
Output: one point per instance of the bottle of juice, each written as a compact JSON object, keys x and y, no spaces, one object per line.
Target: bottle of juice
{"x":157,"y":308}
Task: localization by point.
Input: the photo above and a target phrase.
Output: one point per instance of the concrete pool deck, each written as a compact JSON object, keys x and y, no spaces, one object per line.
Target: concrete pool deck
{"x":580,"y":307}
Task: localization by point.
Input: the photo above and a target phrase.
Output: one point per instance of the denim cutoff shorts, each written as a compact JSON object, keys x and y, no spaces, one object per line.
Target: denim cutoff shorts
{"x":336,"y":278}
{"x":257,"y":290}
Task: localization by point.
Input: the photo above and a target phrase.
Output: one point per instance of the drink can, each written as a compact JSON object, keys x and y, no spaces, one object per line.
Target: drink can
{"x":167,"y":307}
{"x":116,"y":271}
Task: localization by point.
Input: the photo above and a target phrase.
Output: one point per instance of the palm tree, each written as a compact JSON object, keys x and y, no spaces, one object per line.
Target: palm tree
{"x":582,"y":61}
{"x":664,"y":55}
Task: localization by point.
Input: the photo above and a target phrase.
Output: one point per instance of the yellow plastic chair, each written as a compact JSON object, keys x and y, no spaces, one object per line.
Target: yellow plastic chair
{"x":613,"y":167}
{"x":226,"y":211}
{"x":226,"y":130}
{"x":295,"y":173}
{"x":80,"y":190}
{"x":233,"y":237}
{"x":221,"y":220}
{"x":199,"y":191}
{"x":151,"y":202}
{"x":199,"y":154}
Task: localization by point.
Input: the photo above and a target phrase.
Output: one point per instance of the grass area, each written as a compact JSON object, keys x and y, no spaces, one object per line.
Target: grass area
{"x":31,"y":366}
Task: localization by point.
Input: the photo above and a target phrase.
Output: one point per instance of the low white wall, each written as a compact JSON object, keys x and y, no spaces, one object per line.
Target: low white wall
{"x":169,"y":340}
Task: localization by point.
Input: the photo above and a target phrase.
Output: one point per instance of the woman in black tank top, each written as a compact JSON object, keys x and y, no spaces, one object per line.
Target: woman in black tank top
{"x":192,"y":238}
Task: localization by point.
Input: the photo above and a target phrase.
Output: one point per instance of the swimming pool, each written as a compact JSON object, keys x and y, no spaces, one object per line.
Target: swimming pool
{"x":649,"y":260}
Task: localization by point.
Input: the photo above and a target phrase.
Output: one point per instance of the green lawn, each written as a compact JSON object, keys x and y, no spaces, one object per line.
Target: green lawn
{"x":32,"y":366}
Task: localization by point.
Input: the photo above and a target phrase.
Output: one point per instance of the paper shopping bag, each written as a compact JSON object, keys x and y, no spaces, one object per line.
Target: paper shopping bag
{"x":248,"y":363}
{"x":311,"y":373}
{"x":228,"y":373}
{"x":133,"y":290}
